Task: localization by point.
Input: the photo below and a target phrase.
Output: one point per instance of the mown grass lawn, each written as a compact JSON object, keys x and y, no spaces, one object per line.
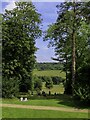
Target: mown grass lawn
{"x":43,"y":102}
{"x":62,"y":101}
{"x":28,"y":113}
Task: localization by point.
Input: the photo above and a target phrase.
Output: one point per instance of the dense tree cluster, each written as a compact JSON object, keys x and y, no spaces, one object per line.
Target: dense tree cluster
{"x":49,"y":83}
{"x":55,"y":79}
{"x":70,"y":36}
{"x":0,"y":41}
{"x":48,"y":66}
{"x":20,"y":27}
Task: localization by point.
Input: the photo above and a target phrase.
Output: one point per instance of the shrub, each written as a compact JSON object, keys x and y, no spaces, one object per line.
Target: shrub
{"x":43,"y":93}
{"x":37,"y":83}
{"x":49,"y":83}
{"x":82,"y":84}
{"x":10,"y":87}
{"x":57,"y":80}
{"x":0,"y":83}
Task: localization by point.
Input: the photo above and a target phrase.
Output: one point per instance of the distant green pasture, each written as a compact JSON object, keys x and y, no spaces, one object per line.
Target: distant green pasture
{"x":52,"y":73}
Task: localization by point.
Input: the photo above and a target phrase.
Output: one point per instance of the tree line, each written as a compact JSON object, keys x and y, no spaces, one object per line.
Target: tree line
{"x":69,"y":35}
{"x":49,"y":66}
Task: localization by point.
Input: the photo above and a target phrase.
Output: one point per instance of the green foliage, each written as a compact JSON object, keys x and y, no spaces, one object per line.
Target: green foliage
{"x":37,"y":83}
{"x":49,"y":83}
{"x":10,"y":87}
{"x":57,"y":80}
{"x":20,"y":28}
{"x":82,"y":84}
{"x":48,"y":66}
{"x":0,"y":86}
{"x":43,"y":78}
{"x":26,"y":83}
{"x":72,"y":22}
{"x":0,"y":43}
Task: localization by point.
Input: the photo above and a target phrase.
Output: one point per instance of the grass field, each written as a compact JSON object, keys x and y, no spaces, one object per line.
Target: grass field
{"x":62,"y":101}
{"x":28,"y":113}
{"x":37,"y":102}
{"x":52,"y":73}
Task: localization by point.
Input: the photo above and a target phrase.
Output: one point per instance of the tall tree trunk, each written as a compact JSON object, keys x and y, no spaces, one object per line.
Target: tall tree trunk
{"x":73,"y":48}
{"x":68,"y":89}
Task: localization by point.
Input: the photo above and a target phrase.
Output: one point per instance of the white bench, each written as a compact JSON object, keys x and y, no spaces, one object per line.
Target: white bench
{"x":25,"y":99}
{"x":21,"y":99}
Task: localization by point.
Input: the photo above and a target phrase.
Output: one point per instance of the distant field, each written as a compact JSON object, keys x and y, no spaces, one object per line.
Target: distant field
{"x":56,"y":88}
{"x":52,"y":73}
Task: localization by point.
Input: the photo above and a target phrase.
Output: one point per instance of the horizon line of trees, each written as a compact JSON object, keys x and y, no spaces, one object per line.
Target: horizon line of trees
{"x":48,"y":66}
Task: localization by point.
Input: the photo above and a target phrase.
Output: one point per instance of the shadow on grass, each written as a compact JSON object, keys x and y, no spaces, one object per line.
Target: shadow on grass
{"x":63,"y":99}
{"x":67,"y":100}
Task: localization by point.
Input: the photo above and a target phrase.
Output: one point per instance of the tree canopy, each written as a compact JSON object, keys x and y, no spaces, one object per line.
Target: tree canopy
{"x":21,"y":28}
{"x":69,"y":35}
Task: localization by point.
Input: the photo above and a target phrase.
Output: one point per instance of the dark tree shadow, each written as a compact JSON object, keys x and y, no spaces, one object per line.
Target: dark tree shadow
{"x":67,"y":100}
